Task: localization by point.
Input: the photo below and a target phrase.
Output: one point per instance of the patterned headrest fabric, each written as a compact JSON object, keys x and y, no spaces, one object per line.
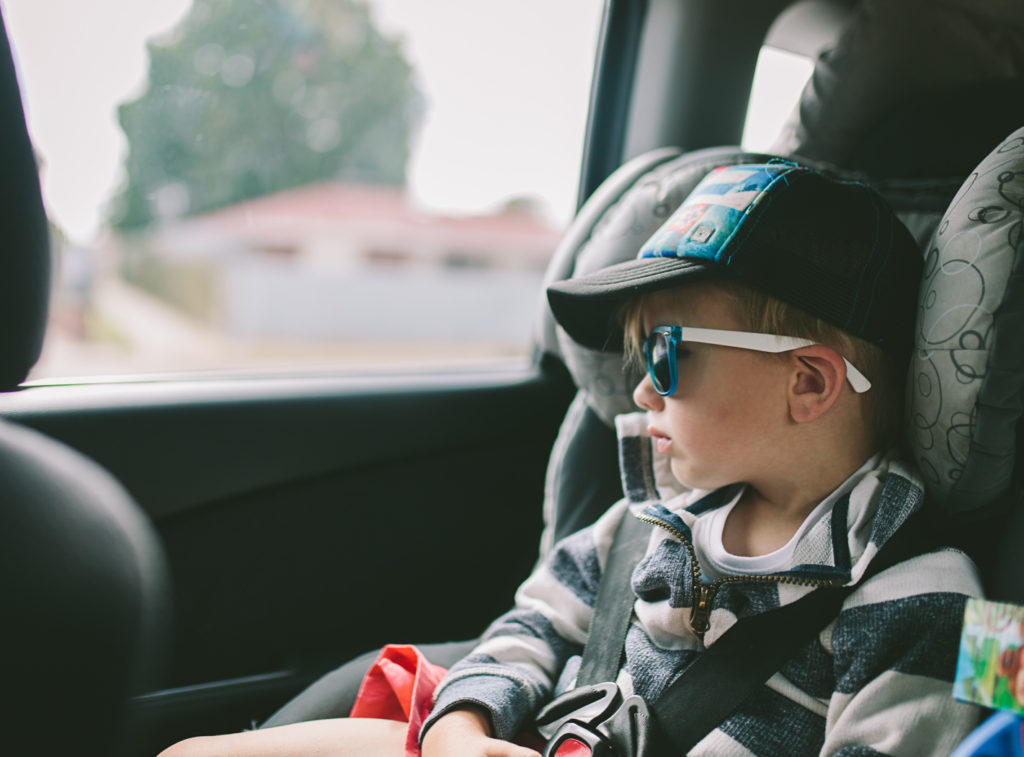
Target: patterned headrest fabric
{"x":967,"y":374}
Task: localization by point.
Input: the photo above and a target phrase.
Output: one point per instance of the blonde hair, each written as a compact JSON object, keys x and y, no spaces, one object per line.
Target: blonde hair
{"x":881,"y":406}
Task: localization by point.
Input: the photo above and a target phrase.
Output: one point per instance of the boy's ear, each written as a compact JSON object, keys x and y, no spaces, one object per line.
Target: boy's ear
{"x":816,"y":382}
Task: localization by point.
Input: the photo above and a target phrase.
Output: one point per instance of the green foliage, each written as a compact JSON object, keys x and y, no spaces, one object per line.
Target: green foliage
{"x":247,"y":97}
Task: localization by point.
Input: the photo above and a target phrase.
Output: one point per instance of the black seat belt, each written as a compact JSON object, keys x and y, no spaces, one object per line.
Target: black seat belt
{"x":613,"y":608}
{"x":746,"y":656}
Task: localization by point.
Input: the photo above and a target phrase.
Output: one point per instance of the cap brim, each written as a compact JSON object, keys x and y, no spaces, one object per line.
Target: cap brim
{"x":588,"y":307}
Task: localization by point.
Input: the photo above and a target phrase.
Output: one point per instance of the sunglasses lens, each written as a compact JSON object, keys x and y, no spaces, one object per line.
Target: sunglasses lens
{"x":659,"y":362}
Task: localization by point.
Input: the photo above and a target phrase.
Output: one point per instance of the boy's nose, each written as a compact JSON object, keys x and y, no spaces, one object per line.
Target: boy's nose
{"x":645,"y":396}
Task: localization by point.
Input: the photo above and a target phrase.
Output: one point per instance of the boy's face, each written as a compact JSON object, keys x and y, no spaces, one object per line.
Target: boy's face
{"x":724,"y":422}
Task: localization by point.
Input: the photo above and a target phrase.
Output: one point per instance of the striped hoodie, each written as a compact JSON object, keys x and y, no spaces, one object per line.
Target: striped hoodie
{"x":877,"y":680}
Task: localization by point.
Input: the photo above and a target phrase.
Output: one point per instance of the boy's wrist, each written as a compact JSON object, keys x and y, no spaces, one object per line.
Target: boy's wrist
{"x":470,"y":715}
{"x":468,"y":720}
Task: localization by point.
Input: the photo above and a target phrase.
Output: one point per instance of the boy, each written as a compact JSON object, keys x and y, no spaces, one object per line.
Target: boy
{"x":785,"y":459}
{"x":769,"y":468}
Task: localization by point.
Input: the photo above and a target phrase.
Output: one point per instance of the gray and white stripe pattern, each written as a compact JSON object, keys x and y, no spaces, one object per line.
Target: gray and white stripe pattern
{"x":877,"y":681}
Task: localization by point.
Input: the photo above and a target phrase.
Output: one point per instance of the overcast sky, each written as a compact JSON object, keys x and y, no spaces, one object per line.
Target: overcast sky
{"x":486,"y":137}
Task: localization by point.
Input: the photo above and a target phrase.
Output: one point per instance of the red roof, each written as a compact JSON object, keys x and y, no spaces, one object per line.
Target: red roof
{"x":342,"y":204}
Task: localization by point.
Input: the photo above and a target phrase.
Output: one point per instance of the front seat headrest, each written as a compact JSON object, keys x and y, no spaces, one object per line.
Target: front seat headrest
{"x":25,"y":259}
{"x":912,"y":85}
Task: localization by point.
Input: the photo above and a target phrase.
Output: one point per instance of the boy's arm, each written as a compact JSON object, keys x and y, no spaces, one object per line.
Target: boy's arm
{"x":895,"y":645}
{"x":512,"y":672}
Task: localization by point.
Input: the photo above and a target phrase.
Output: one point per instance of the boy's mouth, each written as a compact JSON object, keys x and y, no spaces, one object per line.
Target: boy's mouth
{"x":661,"y":441}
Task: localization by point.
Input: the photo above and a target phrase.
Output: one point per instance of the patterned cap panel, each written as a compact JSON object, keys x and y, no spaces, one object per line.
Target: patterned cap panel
{"x":702,"y":227}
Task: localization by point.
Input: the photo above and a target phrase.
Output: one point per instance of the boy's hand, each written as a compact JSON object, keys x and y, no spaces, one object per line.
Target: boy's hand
{"x":467,"y":733}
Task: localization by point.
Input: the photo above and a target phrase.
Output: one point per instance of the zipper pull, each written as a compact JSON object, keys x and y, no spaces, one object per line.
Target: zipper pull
{"x":700,"y":616}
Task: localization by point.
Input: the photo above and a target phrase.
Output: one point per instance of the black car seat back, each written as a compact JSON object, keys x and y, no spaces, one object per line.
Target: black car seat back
{"x":84,"y":586}
{"x":913,"y":89}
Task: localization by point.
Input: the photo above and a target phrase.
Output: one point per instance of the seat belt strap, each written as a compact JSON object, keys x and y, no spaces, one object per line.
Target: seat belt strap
{"x":746,"y":656}
{"x":613,"y":608}
{"x":757,"y":647}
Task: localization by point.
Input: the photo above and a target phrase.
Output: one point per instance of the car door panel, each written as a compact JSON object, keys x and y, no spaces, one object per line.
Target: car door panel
{"x":309,"y":520}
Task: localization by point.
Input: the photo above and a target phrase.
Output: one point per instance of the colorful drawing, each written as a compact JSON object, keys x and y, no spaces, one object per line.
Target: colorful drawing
{"x":990,"y":669}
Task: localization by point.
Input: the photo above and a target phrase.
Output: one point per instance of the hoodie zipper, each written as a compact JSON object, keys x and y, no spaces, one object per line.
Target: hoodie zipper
{"x":704,"y":593}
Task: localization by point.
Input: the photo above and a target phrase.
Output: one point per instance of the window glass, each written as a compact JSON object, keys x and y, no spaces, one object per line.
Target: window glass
{"x":779,"y":79}
{"x":299,"y":184}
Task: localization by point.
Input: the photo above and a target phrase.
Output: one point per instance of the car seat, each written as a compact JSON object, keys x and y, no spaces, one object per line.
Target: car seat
{"x":893,"y":144}
{"x":82,"y":575}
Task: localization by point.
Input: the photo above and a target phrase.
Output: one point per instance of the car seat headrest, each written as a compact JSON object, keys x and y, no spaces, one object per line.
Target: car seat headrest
{"x":936,"y":135}
{"x":897,"y":64}
{"x":967,"y":374}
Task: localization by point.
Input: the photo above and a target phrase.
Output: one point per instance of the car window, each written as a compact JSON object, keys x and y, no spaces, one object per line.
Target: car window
{"x":298,"y":184}
{"x":779,"y":79}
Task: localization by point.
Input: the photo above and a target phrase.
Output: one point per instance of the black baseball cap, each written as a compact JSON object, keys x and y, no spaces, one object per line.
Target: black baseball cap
{"x":831,"y":247}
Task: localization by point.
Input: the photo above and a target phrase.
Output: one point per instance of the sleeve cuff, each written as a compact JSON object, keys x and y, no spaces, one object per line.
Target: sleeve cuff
{"x":507,"y":704}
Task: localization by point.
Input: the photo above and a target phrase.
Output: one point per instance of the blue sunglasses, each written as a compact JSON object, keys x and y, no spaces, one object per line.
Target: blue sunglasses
{"x":661,"y":352}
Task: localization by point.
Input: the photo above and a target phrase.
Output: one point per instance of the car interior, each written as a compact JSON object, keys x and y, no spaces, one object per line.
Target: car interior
{"x":187,"y":556}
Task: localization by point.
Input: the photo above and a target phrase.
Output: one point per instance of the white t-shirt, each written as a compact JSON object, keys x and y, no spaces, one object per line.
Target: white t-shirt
{"x":715,"y":561}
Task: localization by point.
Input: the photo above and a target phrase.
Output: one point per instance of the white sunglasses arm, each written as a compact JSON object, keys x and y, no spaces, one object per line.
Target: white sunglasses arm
{"x":765,"y":343}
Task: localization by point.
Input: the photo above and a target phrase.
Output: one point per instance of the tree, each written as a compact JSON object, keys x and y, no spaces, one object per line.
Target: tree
{"x":247,"y":97}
